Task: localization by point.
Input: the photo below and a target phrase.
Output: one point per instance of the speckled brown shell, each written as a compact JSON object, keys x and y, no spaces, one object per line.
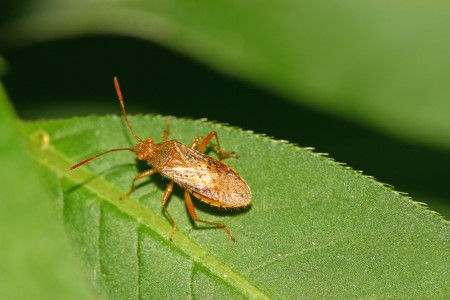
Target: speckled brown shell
{"x":209,"y":179}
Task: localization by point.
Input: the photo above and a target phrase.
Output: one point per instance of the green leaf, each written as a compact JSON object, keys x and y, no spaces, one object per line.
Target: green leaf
{"x":35,"y":259}
{"x":315,"y":227}
{"x":380,"y":63}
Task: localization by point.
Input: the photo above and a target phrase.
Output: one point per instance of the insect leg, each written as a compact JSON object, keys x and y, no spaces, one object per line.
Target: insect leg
{"x":166,"y":196}
{"x":196,"y":141}
{"x":166,"y":131}
{"x":217,"y":148}
{"x":191,"y":209}
{"x":139,"y":176}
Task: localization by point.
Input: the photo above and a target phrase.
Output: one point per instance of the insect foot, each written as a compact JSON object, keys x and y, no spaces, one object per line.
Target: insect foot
{"x":223,"y":154}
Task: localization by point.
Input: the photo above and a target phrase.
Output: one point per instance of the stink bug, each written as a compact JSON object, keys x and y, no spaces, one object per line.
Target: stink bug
{"x":208,"y":179}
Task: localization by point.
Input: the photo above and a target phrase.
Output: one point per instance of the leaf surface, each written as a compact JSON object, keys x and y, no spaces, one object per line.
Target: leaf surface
{"x":35,"y":258}
{"x":315,"y":228}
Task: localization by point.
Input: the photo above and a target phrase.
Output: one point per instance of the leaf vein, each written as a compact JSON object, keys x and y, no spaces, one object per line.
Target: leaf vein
{"x":191,"y":280}
{"x":138,"y":262}
{"x":281,"y":257}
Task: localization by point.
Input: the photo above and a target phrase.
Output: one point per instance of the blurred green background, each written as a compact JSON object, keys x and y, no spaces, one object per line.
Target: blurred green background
{"x":57,"y":67}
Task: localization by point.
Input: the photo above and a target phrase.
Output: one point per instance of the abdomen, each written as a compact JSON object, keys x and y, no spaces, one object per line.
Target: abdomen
{"x":206,"y":176}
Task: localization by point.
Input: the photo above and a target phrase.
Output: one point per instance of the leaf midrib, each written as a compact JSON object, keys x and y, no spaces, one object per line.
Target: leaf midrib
{"x":60,"y":164}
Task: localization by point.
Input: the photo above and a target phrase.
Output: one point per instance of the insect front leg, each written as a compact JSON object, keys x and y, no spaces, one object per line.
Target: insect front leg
{"x":139,"y":176}
{"x":166,"y":131}
{"x":191,"y":209}
{"x":166,"y":196}
{"x":217,"y":147}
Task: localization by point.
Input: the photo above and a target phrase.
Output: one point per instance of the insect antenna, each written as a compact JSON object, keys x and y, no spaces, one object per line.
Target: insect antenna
{"x":95,"y":156}
{"x":122,"y":104}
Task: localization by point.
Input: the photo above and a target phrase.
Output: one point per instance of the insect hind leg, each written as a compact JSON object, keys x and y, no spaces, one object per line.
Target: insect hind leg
{"x":193,"y":214}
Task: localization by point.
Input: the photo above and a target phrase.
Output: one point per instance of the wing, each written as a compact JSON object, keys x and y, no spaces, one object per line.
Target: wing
{"x":207,"y":177}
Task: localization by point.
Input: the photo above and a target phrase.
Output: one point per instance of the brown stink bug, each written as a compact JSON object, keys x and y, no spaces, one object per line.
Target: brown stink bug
{"x":205,"y":177}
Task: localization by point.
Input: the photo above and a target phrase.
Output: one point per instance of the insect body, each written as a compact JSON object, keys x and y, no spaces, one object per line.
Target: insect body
{"x":207,"y":178}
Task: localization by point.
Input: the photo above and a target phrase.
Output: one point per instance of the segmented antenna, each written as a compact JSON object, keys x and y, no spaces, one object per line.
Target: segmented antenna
{"x":95,"y":156}
{"x":122,"y":104}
